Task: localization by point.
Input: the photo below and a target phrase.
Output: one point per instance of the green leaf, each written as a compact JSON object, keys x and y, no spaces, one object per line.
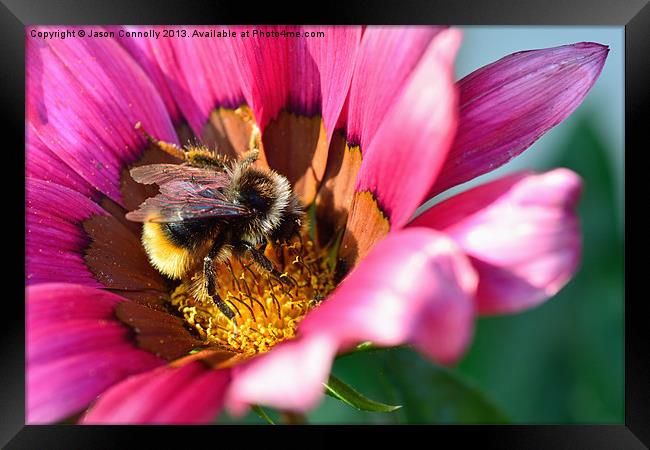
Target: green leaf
{"x":344,"y":392}
{"x":427,"y":392}
{"x":262,"y":414}
{"x":433,"y":394}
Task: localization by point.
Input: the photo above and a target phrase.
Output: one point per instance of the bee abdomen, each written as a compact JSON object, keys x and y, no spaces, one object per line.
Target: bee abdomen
{"x":187,"y":234}
{"x":165,"y":255}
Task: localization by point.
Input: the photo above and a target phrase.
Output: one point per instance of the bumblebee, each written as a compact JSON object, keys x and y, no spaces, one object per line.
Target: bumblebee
{"x":210,"y":208}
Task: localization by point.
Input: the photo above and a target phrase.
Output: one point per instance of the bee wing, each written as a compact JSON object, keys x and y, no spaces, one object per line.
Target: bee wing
{"x":165,"y":173}
{"x":183,"y":200}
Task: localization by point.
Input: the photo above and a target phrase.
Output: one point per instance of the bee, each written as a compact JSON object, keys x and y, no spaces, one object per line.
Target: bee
{"x":210,"y":208}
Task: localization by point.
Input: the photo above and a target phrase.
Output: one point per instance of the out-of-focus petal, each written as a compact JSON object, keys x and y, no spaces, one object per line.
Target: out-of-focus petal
{"x":387,"y":57}
{"x":415,"y":287}
{"x":190,"y":394}
{"x":55,"y":238}
{"x":334,"y":56}
{"x":75,"y":349}
{"x":521,"y":232}
{"x":509,"y":104}
{"x":290,"y":377}
{"x":200,"y":74}
{"x":402,"y":161}
{"x":84,"y":97}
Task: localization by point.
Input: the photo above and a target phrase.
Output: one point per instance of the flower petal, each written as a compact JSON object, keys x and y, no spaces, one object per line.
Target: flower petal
{"x":521,"y":232}
{"x":73,"y":336}
{"x":75,"y":349}
{"x":296,"y":146}
{"x":157,"y":331}
{"x":117,"y":258}
{"x":334,"y":56}
{"x":200,"y":74}
{"x":190,"y":394}
{"x":387,"y":57}
{"x":412,"y":141}
{"x":84,"y":97}
{"x":336,"y":193}
{"x":290,"y":377}
{"x":282,"y":85}
{"x":141,"y":50}
{"x":403,"y":160}
{"x":44,"y":164}
{"x":56,"y":240}
{"x":509,"y":104}
{"x":415,"y":287}
{"x":276,"y":73}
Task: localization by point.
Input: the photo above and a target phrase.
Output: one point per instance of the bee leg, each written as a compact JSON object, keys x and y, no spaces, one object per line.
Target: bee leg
{"x":249,"y":157}
{"x":166,"y":147}
{"x":262,"y":261}
{"x":211,"y":282}
{"x":204,"y":158}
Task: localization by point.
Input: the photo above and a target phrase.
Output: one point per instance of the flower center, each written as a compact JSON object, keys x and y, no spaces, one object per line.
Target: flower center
{"x":267,"y":311}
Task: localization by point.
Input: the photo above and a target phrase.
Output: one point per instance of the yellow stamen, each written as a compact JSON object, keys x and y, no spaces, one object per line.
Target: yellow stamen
{"x":267,"y":311}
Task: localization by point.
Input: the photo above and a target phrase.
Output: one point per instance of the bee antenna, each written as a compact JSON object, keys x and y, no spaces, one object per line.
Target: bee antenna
{"x":166,"y":147}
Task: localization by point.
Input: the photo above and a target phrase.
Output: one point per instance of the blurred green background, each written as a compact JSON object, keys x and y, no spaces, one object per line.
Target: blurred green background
{"x":561,"y":362}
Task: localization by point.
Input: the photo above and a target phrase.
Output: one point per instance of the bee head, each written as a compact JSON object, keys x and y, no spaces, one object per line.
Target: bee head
{"x":291,"y":222}
{"x":265,"y":192}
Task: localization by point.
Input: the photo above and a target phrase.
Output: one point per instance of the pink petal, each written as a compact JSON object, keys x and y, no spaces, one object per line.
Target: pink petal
{"x":409,"y":147}
{"x":55,"y":240}
{"x":277,"y":73}
{"x":289,"y":377}
{"x":190,"y":394}
{"x":334,"y":56}
{"x":76,"y":349}
{"x":200,"y":73}
{"x":60,"y":388}
{"x":49,"y":341}
{"x":415,"y":287}
{"x":140,"y":48}
{"x":509,"y":104}
{"x":44,"y":164}
{"x":55,"y":302}
{"x":84,"y":97}
{"x":521,"y":232}
{"x":387,"y":57}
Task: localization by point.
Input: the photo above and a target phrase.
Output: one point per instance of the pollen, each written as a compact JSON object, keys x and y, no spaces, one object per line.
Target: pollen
{"x":267,"y":310}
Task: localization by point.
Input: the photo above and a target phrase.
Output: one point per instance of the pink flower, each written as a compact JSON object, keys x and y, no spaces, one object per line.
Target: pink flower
{"x":366,"y":126}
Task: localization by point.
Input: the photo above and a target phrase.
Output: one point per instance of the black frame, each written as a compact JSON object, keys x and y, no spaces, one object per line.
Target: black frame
{"x":634,"y":15}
